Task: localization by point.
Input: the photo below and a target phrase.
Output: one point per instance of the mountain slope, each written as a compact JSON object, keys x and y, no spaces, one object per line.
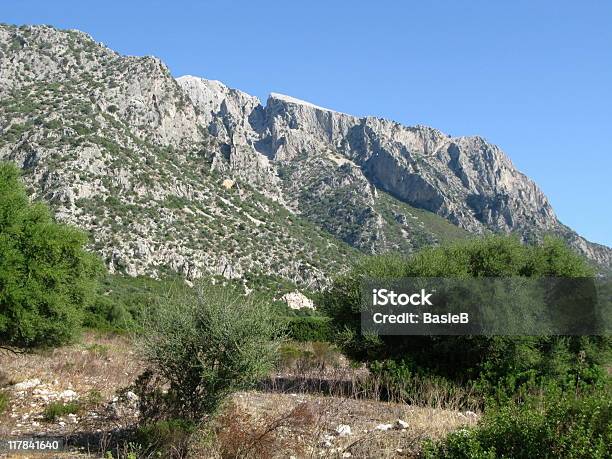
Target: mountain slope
{"x":191,"y":176}
{"x":326,"y":155}
{"x":114,"y":145}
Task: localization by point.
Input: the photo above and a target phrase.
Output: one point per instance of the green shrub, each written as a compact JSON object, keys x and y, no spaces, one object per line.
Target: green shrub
{"x":550,"y":426}
{"x":208,"y":344}
{"x":310,"y":356}
{"x":400,"y":381}
{"x":310,"y":328}
{"x":106,"y":314}
{"x":4,"y":402}
{"x":47,"y":278}
{"x":467,"y":357}
{"x":166,"y":438}
{"x":57,"y":409}
{"x":122,"y":300}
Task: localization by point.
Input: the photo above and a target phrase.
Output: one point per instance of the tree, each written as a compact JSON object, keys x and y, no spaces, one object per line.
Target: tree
{"x":208,"y":343}
{"x":463,"y":357}
{"x":47,"y":278}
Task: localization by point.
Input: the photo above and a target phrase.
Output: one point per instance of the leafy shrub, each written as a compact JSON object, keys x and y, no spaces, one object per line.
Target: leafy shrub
{"x":299,"y":356}
{"x":4,"y":402}
{"x":550,"y":426}
{"x":122,"y":300}
{"x":47,"y":278}
{"x":57,"y":409}
{"x":106,"y":314}
{"x":310,"y":328}
{"x":467,"y":357}
{"x":166,"y":438}
{"x":401,"y":382}
{"x":209,"y":344}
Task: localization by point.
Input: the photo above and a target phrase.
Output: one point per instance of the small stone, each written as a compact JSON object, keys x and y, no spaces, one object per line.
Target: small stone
{"x":131,"y":396}
{"x":383,"y":427}
{"x":343,"y":430}
{"x":68,"y":394}
{"x":27,"y":384}
{"x":327,"y":441}
{"x":400,"y":425}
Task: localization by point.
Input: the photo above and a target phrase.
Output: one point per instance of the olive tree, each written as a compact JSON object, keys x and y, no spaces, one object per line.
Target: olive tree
{"x":209,"y":343}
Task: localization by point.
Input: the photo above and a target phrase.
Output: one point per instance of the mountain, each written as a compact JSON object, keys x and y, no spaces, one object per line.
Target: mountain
{"x":191,"y":176}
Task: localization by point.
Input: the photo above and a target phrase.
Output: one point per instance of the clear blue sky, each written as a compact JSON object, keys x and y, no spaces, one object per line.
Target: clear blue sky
{"x":535,"y":77}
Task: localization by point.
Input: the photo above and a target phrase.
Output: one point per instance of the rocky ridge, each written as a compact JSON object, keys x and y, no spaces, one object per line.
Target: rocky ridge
{"x":321,"y":153}
{"x":192,"y":176}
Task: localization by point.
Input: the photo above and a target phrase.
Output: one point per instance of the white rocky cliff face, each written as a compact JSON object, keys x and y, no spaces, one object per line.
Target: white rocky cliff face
{"x":466,"y":180}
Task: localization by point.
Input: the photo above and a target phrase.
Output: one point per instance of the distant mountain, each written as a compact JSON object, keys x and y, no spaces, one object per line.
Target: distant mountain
{"x":191,"y":176}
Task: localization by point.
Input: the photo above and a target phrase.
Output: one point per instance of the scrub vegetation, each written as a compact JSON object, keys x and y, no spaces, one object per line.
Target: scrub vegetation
{"x":207,"y":369}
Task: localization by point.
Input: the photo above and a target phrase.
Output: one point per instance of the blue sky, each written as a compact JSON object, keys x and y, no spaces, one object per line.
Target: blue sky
{"x":534,"y":77}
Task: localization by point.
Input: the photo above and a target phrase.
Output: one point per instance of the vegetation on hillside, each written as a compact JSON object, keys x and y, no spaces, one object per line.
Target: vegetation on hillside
{"x":546,"y":396}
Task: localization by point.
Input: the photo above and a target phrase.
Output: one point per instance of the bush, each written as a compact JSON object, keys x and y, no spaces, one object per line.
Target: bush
{"x":310,"y":328}
{"x":166,"y":438}
{"x":122,"y":301}
{"x":304,"y":357}
{"x":400,"y":382}
{"x":56,"y":409}
{"x":555,"y":425}
{"x":4,"y":402}
{"x":209,"y":344}
{"x":462,"y":358}
{"x":47,"y":278}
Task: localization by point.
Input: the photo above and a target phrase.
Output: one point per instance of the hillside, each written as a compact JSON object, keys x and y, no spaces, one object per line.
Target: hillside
{"x":191,"y":176}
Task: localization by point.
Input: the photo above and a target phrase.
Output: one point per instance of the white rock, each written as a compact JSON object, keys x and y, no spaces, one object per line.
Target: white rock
{"x":400,"y":425}
{"x":471,"y":414}
{"x":296,"y":300}
{"x":327,"y":441}
{"x":343,"y":430}
{"x":28,"y":384}
{"x":383,"y":427}
{"x":68,"y":394}
{"x":131,"y":396}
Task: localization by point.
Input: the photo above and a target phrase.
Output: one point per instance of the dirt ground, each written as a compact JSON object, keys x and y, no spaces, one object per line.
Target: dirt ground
{"x":95,"y":376}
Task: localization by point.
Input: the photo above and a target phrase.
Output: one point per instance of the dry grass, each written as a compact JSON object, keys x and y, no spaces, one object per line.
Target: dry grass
{"x":101,"y":361}
{"x":295,"y":413}
{"x":257,"y":424}
{"x":94,"y":369}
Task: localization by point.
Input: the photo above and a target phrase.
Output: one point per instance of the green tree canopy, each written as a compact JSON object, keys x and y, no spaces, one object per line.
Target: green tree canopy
{"x":463,"y":357}
{"x":47,"y":278}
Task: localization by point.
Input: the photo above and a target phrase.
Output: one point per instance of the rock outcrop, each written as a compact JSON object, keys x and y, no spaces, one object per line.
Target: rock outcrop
{"x":467,"y":180}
